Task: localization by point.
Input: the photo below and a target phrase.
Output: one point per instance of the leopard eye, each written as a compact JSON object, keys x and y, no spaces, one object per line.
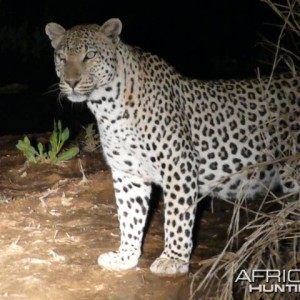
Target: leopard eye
{"x":90,"y":55}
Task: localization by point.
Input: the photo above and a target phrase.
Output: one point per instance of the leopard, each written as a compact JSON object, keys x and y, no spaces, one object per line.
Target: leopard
{"x":193,"y":138}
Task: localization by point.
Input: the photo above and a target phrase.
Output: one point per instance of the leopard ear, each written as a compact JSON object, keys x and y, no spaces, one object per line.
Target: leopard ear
{"x":112,"y":29}
{"x":55,"y":32}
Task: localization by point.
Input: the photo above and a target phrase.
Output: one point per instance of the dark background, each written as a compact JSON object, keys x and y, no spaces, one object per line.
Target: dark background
{"x":203,"y":39}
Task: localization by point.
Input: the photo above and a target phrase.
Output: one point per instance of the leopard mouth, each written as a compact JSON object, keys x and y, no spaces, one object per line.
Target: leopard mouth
{"x":77,"y":94}
{"x":77,"y":97}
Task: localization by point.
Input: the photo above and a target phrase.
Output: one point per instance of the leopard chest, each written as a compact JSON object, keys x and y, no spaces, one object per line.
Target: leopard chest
{"x":122,"y":144}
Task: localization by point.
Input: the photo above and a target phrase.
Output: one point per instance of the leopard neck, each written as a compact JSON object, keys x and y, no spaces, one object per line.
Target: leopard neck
{"x":113,"y":99}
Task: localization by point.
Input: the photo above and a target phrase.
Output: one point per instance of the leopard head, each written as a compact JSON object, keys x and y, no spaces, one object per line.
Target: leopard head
{"x":85,"y":56}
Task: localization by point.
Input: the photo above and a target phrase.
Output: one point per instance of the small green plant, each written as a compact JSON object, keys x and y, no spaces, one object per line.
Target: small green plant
{"x":91,"y":139}
{"x":56,"y":142}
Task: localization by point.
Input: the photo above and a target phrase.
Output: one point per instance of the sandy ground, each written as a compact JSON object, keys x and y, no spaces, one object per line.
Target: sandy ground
{"x":54,"y":225}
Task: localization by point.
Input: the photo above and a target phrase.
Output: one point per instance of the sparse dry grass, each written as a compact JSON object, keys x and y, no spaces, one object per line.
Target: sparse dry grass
{"x":286,"y":50}
{"x":272,"y":244}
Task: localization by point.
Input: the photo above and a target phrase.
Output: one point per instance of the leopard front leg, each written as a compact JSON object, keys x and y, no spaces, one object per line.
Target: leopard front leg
{"x":180,"y":198}
{"x":132,"y":196}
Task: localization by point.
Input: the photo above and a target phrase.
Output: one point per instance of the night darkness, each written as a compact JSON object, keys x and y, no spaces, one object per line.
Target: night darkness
{"x":66,"y":198}
{"x":208,"y":40}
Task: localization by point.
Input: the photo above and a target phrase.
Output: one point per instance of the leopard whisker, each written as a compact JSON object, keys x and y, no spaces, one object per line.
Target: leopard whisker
{"x":52,"y":89}
{"x":60,"y":96}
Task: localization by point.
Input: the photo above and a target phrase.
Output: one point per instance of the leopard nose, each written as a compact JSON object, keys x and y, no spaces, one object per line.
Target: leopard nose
{"x":73,"y":82}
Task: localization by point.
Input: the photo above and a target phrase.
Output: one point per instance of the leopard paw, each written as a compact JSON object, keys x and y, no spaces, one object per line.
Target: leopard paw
{"x":116,"y":261}
{"x":169,"y":267}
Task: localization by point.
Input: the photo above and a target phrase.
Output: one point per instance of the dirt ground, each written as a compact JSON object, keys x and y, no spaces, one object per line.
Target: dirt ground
{"x":54,"y":225}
